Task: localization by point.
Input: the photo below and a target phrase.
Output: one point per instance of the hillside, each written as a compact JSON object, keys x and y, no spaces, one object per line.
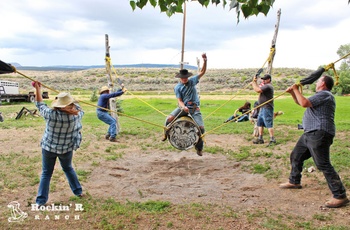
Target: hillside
{"x":152,"y":79}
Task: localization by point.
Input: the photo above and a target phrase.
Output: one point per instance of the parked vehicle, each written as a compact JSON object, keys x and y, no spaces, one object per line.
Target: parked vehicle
{"x":9,"y":91}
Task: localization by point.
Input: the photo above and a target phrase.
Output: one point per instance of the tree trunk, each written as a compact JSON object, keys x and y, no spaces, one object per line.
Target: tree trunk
{"x":273,"y":44}
{"x":112,"y":101}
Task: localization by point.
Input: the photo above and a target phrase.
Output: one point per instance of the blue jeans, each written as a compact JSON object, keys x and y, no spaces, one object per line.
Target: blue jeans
{"x":241,"y":118}
{"x":111,"y":121}
{"x":265,"y":118}
{"x":316,"y":144}
{"x":48,"y":165}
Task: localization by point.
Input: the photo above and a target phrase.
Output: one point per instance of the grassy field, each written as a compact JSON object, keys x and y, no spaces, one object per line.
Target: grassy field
{"x":143,"y":122}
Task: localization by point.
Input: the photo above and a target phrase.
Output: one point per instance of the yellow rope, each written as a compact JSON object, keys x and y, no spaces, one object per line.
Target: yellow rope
{"x":243,"y":114}
{"x":123,"y":114}
{"x":115,"y":72}
{"x":269,"y":58}
{"x":34,"y":80}
{"x":108,"y":66}
{"x":227,"y":101}
{"x":329,"y":66}
{"x":83,"y":102}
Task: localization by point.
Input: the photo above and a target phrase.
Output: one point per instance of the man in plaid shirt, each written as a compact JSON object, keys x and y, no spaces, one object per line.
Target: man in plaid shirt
{"x":61,"y":137}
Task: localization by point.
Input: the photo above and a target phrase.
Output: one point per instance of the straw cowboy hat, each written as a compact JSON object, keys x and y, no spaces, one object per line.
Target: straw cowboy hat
{"x":183,"y":74}
{"x":104,"y":88}
{"x":62,"y":100}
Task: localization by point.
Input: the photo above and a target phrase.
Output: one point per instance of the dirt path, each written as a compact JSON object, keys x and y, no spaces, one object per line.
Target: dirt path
{"x":178,"y":177}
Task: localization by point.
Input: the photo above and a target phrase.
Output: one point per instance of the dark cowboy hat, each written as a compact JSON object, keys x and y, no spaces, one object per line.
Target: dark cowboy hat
{"x":183,"y":74}
{"x":266,"y":76}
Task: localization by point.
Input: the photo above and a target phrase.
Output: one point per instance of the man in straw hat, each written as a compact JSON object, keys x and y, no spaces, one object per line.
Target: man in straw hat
{"x":61,"y":137}
{"x":103,"y":114}
{"x":188,"y":100}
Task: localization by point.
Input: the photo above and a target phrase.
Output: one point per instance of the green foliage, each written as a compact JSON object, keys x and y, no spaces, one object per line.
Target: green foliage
{"x":94,"y":96}
{"x":118,"y":105}
{"x":246,"y":7}
{"x":344,"y":71}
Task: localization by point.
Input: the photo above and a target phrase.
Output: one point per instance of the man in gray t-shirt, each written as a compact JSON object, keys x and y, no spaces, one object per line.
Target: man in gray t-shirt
{"x":265,"y":117}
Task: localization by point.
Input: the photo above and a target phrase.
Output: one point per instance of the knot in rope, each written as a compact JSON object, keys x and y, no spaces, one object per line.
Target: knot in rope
{"x":331,"y":66}
{"x":272,"y":51}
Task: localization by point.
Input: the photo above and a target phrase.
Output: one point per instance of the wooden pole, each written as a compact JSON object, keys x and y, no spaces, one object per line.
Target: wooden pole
{"x":198,"y":70}
{"x":183,"y":38}
{"x":273,"y":44}
{"x":112,"y":101}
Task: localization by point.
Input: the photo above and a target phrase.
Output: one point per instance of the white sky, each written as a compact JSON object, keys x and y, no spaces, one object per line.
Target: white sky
{"x":72,"y":32}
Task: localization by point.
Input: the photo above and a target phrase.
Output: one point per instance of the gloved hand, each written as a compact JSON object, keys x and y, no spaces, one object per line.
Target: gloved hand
{"x":259,"y":72}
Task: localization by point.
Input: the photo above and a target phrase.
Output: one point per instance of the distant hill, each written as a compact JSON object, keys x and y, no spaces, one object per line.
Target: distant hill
{"x":75,"y":68}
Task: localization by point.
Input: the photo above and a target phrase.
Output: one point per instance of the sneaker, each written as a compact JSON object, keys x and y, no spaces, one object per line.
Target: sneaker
{"x":272,"y":142}
{"x":290,"y":186}
{"x":113,"y":139}
{"x":107,"y":136}
{"x":336,"y":203}
{"x":258,"y":141}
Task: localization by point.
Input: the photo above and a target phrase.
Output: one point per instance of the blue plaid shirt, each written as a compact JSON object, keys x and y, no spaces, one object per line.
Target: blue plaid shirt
{"x":63,"y":131}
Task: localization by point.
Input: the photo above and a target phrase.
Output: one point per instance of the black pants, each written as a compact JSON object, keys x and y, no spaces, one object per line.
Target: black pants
{"x":316,"y":144}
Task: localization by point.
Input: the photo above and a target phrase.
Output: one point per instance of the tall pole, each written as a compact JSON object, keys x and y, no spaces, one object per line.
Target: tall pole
{"x":112,"y":101}
{"x":273,"y":44}
{"x":183,"y":37}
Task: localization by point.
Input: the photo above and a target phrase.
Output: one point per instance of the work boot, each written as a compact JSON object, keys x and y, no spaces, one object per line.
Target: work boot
{"x":272,"y":142}
{"x":107,"y":136}
{"x":165,"y":137}
{"x":336,"y":203}
{"x":290,"y":186}
{"x":113,"y":139}
{"x":258,"y":141}
{"x":199,"y":152}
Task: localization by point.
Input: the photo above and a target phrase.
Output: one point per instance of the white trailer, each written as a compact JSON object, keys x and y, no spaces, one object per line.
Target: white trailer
{"x":9,"y":91}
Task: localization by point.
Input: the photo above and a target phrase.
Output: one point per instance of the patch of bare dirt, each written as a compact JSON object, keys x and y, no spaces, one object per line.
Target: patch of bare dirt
{"x":180,"y":177}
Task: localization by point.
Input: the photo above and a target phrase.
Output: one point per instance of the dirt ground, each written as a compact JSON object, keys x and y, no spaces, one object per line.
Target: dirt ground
{"x":177,"y":176}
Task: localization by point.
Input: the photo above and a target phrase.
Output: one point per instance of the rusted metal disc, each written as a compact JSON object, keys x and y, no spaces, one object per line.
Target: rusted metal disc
{"x":184,"y":133}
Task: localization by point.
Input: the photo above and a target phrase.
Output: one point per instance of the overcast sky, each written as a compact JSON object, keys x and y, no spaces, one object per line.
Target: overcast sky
{"x":72,"y":32}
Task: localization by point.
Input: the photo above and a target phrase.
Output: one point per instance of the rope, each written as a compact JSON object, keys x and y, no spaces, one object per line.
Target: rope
{"x":329,"y":66}
{"x":269,"y":58}
{"x":115,"y":72}
{"x":87,"y":103}
{"x":244,"y":113}
{"x":108,"y":69}
{"x":227,"y":101}
{"x":15,"y":70}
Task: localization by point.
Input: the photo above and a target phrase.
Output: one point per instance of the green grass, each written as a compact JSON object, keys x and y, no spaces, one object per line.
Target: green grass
{"x":112,"y":213}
